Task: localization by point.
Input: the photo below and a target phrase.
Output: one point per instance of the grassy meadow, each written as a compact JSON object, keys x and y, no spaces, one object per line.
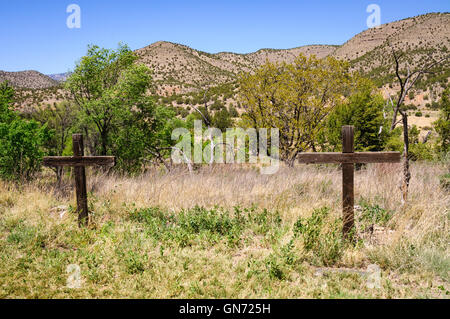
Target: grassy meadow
{"x":227,"y":232}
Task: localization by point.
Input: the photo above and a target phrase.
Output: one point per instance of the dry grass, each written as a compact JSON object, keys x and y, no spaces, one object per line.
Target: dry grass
{"x":123,"y":257}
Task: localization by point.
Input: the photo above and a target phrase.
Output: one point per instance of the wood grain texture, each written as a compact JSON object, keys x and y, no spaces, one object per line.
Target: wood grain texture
{"x":348,"y":191}
{"x":79,"y":161}
{"x":80,"y":181}
{"x":360,"y":157}
{"x":348,"y":139}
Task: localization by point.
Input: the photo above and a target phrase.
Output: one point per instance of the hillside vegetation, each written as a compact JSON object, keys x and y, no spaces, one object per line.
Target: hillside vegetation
{"x":181,"y":70}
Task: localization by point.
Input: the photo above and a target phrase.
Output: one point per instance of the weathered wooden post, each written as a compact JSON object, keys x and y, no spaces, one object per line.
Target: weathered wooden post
{"x":348,"y":158}
{"x":79,"y":161}
{"x":80,"y":181}
{"x":348,"y":169}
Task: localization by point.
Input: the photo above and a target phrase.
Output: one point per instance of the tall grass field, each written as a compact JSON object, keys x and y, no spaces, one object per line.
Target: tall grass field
{"x":227,"y":232}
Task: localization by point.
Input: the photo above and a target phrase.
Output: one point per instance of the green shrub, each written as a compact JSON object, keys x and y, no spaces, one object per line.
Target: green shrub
{"x":434,"y":105}
{"x":371,"y":215}
{"x":21,"y":140}
{"x":217,"y":105}
{"x":442,"y":125}
{"x":135,"y":263}
{"x":364,"y":110}
{"x":287,"y":253}
{"x":222,"y":120}
{"x":418,"y":114}
{"x":198,"y":220}
{"x":321,"y":236}
{"x":233,"y":112}
{"x":198,"y":225}
{"x":421,"y":152}
{"x":274,"y":269}
{"x":183,"y":113}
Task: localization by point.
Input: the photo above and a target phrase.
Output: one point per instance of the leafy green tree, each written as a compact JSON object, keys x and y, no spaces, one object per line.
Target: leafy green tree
{"x":6,"y":100}
{"x":295,"y":98}
{"x":217,"y":105}
{"x":233,"y":112}
{"x":143,"y":136}
{"x":395,"y":142}
{"x":442,"y":125}
{"x":222,"y":120}
{"x":106,"y":83}
{"x":61,"y":119}
{"x":419,"y":151}
{"x":21,"y":141}
{"x":364,"y":110}
{"x":113,"y":93}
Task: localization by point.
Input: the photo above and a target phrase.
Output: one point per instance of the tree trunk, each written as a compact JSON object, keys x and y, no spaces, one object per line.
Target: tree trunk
{"x":290,"y":159}
{"x":59,"y":174}
{"x":104,"y":138}
{"x":406,"y":172}
{"x":89,"y":144}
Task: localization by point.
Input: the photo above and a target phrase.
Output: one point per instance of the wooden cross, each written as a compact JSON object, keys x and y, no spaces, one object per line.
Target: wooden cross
{"x":348,"y":158}
{"x":79,"y":161}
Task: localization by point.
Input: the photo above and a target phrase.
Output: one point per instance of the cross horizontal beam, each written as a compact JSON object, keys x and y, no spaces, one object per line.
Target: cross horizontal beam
{"x":79,"y":161}
{"x":360,"y":157}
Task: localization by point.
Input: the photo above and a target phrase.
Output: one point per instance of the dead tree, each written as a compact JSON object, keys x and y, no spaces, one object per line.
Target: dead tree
{"x":406,"y":82}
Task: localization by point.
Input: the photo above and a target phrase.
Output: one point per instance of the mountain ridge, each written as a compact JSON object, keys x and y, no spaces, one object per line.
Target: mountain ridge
{"x":179,"y":69}
{"x":184,"y":69}
{"x":29,"y":79}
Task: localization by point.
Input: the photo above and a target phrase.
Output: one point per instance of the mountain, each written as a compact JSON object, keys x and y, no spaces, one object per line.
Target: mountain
{"x":27,"y":79}
{"x":181,"y":72}
{"x":421,"y":38}
{"x":428,"y":30}
{"x":60,"y":77}
{"x":180,"y":69}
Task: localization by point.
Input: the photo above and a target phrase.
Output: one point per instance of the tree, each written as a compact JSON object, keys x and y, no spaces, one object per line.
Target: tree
{"x":222,"y":120}
{"x":104,"y":84}
{"x":6,"y":100}
{"x":406,"y":80}
{"x":295,"y":98}
{"x":144,"y":135}
{"x":233,"y":112}
{"x":364,"y":110}
{"x":442,"y":125}
{"x":21,"y":141}
{"x":60,"y":118}
{"x":113,"y":93}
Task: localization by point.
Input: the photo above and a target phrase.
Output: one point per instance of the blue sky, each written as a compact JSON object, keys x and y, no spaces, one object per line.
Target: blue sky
{"x":34,"y":34}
